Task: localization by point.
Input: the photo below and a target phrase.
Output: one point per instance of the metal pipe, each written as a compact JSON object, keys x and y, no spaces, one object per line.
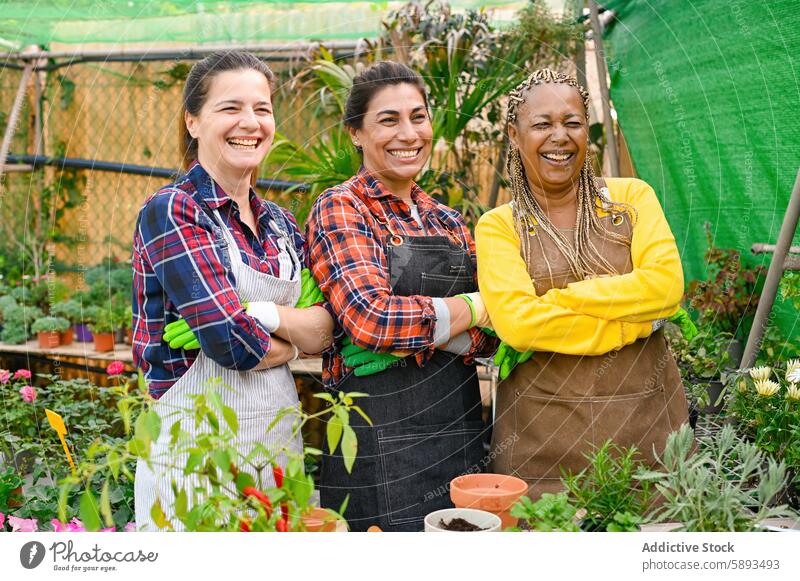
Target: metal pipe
{"x":13,"y":119}
{"x":129,"y":168}
{"x":602,"y":71}
{"x":774,"y":275}
{"x":194,"y":53}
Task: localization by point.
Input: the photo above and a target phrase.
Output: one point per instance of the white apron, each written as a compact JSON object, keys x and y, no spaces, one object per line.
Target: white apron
{"x":256,"y":396}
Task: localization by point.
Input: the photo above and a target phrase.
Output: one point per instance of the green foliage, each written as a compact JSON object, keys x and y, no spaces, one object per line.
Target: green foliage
{"x":552,"y":512}
{"x":726,"y":485}
{"x":728,"y":297}
{"x":790,"y":288}
{"x":17,"y":320}
{"x":9,"y":482}
{"x":69,"y":309}
{"x":50,"y":324}
{"x":608,"y":488}
{"x":772,"y":422}
{"x":224,"y":499}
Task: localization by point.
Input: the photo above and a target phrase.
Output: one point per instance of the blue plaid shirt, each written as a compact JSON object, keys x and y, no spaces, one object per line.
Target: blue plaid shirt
{"x":179,"y":258}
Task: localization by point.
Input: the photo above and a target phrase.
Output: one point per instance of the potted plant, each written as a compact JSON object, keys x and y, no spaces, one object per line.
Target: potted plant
{"x":552,"y":512}
{"x":72,"y":311}
{"x":102,"y":328}
{"x":727,"y":299}
{"x":48,"y":331}
{"x":462,"y":520}
{"x":722,"y":485}
{"x":609,"y":491}
{"x":494,"y":493}
{"x":16,"y":323}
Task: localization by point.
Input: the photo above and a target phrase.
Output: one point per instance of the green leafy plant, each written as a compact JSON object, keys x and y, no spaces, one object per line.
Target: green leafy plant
{"x":728,"y":297}
{"x":726,"y":485}
{"x":17,"y":320}
{"x":790,"y":288}
{"x":68,"y":309}
{"x":608,"y":488}
{"x":552,"y":512}
{"x":10,"y":481}
{"x":231,"y":493}
{"x":50,"y":325}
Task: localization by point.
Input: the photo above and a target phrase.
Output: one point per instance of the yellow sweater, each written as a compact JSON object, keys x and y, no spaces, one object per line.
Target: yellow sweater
{"x":589,"y":317}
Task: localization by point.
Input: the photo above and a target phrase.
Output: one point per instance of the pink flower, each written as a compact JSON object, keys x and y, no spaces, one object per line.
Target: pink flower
{"x":22,"y":374}
{"x":115,"y":368}
{"x":74,"y":526}
{"x":28,"y":393}
{"x":23,"y":525}
{"x":3,"y":521}
{"x":130,"y":527}
{"x":5,"y":376}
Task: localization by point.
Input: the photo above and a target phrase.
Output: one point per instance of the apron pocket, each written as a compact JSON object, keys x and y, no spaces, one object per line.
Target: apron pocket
{"x":556,"y":432}
{"x":445,"y":285}
{"x":418,"y":463}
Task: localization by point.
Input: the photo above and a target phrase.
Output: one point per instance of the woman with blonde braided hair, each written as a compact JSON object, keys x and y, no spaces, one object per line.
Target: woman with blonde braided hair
{"x":579,"y":272}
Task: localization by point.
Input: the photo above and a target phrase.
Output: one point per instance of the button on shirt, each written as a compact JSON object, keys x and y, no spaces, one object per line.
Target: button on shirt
{"x":346,"y":233}
{"x":181,"y":268}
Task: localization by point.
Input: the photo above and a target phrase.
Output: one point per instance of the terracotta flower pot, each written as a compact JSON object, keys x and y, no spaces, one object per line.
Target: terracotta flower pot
{"x":494,"y":493}
{"x":319,"y":520}
{"x":49,"y":339}
{"x":66,"y":336}
{"x":103,"y":342}
{"x":129,"y":336}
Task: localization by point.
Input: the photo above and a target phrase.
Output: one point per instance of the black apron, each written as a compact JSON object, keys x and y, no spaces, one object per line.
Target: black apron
{"x":427,"y":426}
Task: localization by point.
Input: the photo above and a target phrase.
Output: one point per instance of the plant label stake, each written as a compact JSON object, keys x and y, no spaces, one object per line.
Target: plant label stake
{"x":57,"y":423}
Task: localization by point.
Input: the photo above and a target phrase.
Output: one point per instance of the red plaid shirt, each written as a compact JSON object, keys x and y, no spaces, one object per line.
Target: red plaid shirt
{"x":345,"y":240}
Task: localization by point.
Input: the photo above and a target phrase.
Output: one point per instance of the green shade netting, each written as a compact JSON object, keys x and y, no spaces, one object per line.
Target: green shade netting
{"x":235,"y":21}
{"x":707,"y":95}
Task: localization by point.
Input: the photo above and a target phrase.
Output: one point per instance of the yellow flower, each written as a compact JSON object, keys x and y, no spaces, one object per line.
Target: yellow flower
{"x":760,"y":373}
{"x":793,"y":392}
{"x":742,"y":386}
{"x":767,"y":388}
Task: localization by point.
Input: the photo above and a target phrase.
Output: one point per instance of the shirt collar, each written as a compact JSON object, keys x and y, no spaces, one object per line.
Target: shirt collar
{"x":375,"y":189}
{"x":212,"y":193}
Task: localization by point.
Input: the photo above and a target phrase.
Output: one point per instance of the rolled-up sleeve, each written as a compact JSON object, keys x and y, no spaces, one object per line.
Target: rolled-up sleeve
{"x":350,"y":266}
{"x":186,"y":252}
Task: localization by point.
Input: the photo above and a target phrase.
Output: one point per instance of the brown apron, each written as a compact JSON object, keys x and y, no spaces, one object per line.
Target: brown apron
{"x":554,"y":408}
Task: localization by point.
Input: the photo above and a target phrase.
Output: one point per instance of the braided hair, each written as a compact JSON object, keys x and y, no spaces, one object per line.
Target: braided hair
{"x":582,"y":255}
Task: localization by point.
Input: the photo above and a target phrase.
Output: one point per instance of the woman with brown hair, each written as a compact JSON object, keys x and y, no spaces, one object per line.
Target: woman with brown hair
{"x":217,"y":274}
{"x":582,"y":271}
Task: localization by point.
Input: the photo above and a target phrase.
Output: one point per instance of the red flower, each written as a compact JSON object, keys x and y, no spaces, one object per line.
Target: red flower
{"x":115,"y":368}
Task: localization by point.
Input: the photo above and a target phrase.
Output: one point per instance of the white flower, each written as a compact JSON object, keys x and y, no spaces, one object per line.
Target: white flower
{"x":793,"y":392}
{"x":766,"y":387}
{"x":760,"y":373}
{"x":793,"y":370}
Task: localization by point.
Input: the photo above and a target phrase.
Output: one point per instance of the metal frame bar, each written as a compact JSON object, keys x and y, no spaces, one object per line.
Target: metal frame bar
{"x":36,"y":161}
{"x":774,"y":274}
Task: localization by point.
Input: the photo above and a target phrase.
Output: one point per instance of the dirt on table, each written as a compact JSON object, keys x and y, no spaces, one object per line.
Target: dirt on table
{"x":459,"y":525}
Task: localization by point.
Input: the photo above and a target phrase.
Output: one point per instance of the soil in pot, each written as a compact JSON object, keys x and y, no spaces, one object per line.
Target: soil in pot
{"x":459,"y":525}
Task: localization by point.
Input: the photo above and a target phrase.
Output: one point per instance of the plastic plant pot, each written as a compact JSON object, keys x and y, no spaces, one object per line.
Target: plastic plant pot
{"x":495,"y":493}
{"x":48,"y":339}
{"x":67,"y":336}
{"x":82,"y":333}
{"x":487,"y":521}
{"x":103,"y":342}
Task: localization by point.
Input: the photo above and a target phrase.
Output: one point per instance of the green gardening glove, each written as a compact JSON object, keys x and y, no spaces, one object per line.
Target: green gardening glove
{"x":365,"y":362}
{"x":309,"y":294}
{"x":507,"y":358}
{"x":180,"y":336}
{"x":685,"y":323}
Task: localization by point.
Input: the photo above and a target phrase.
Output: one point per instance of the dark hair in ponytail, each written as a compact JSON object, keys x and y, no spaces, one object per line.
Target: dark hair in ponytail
{"x":195,"y":92}
{"x":373,"y":79}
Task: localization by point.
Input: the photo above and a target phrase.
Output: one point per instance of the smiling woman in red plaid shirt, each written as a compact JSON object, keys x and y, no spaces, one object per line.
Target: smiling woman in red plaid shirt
{"x":218,"y":269}
{"x":398,"y":269}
